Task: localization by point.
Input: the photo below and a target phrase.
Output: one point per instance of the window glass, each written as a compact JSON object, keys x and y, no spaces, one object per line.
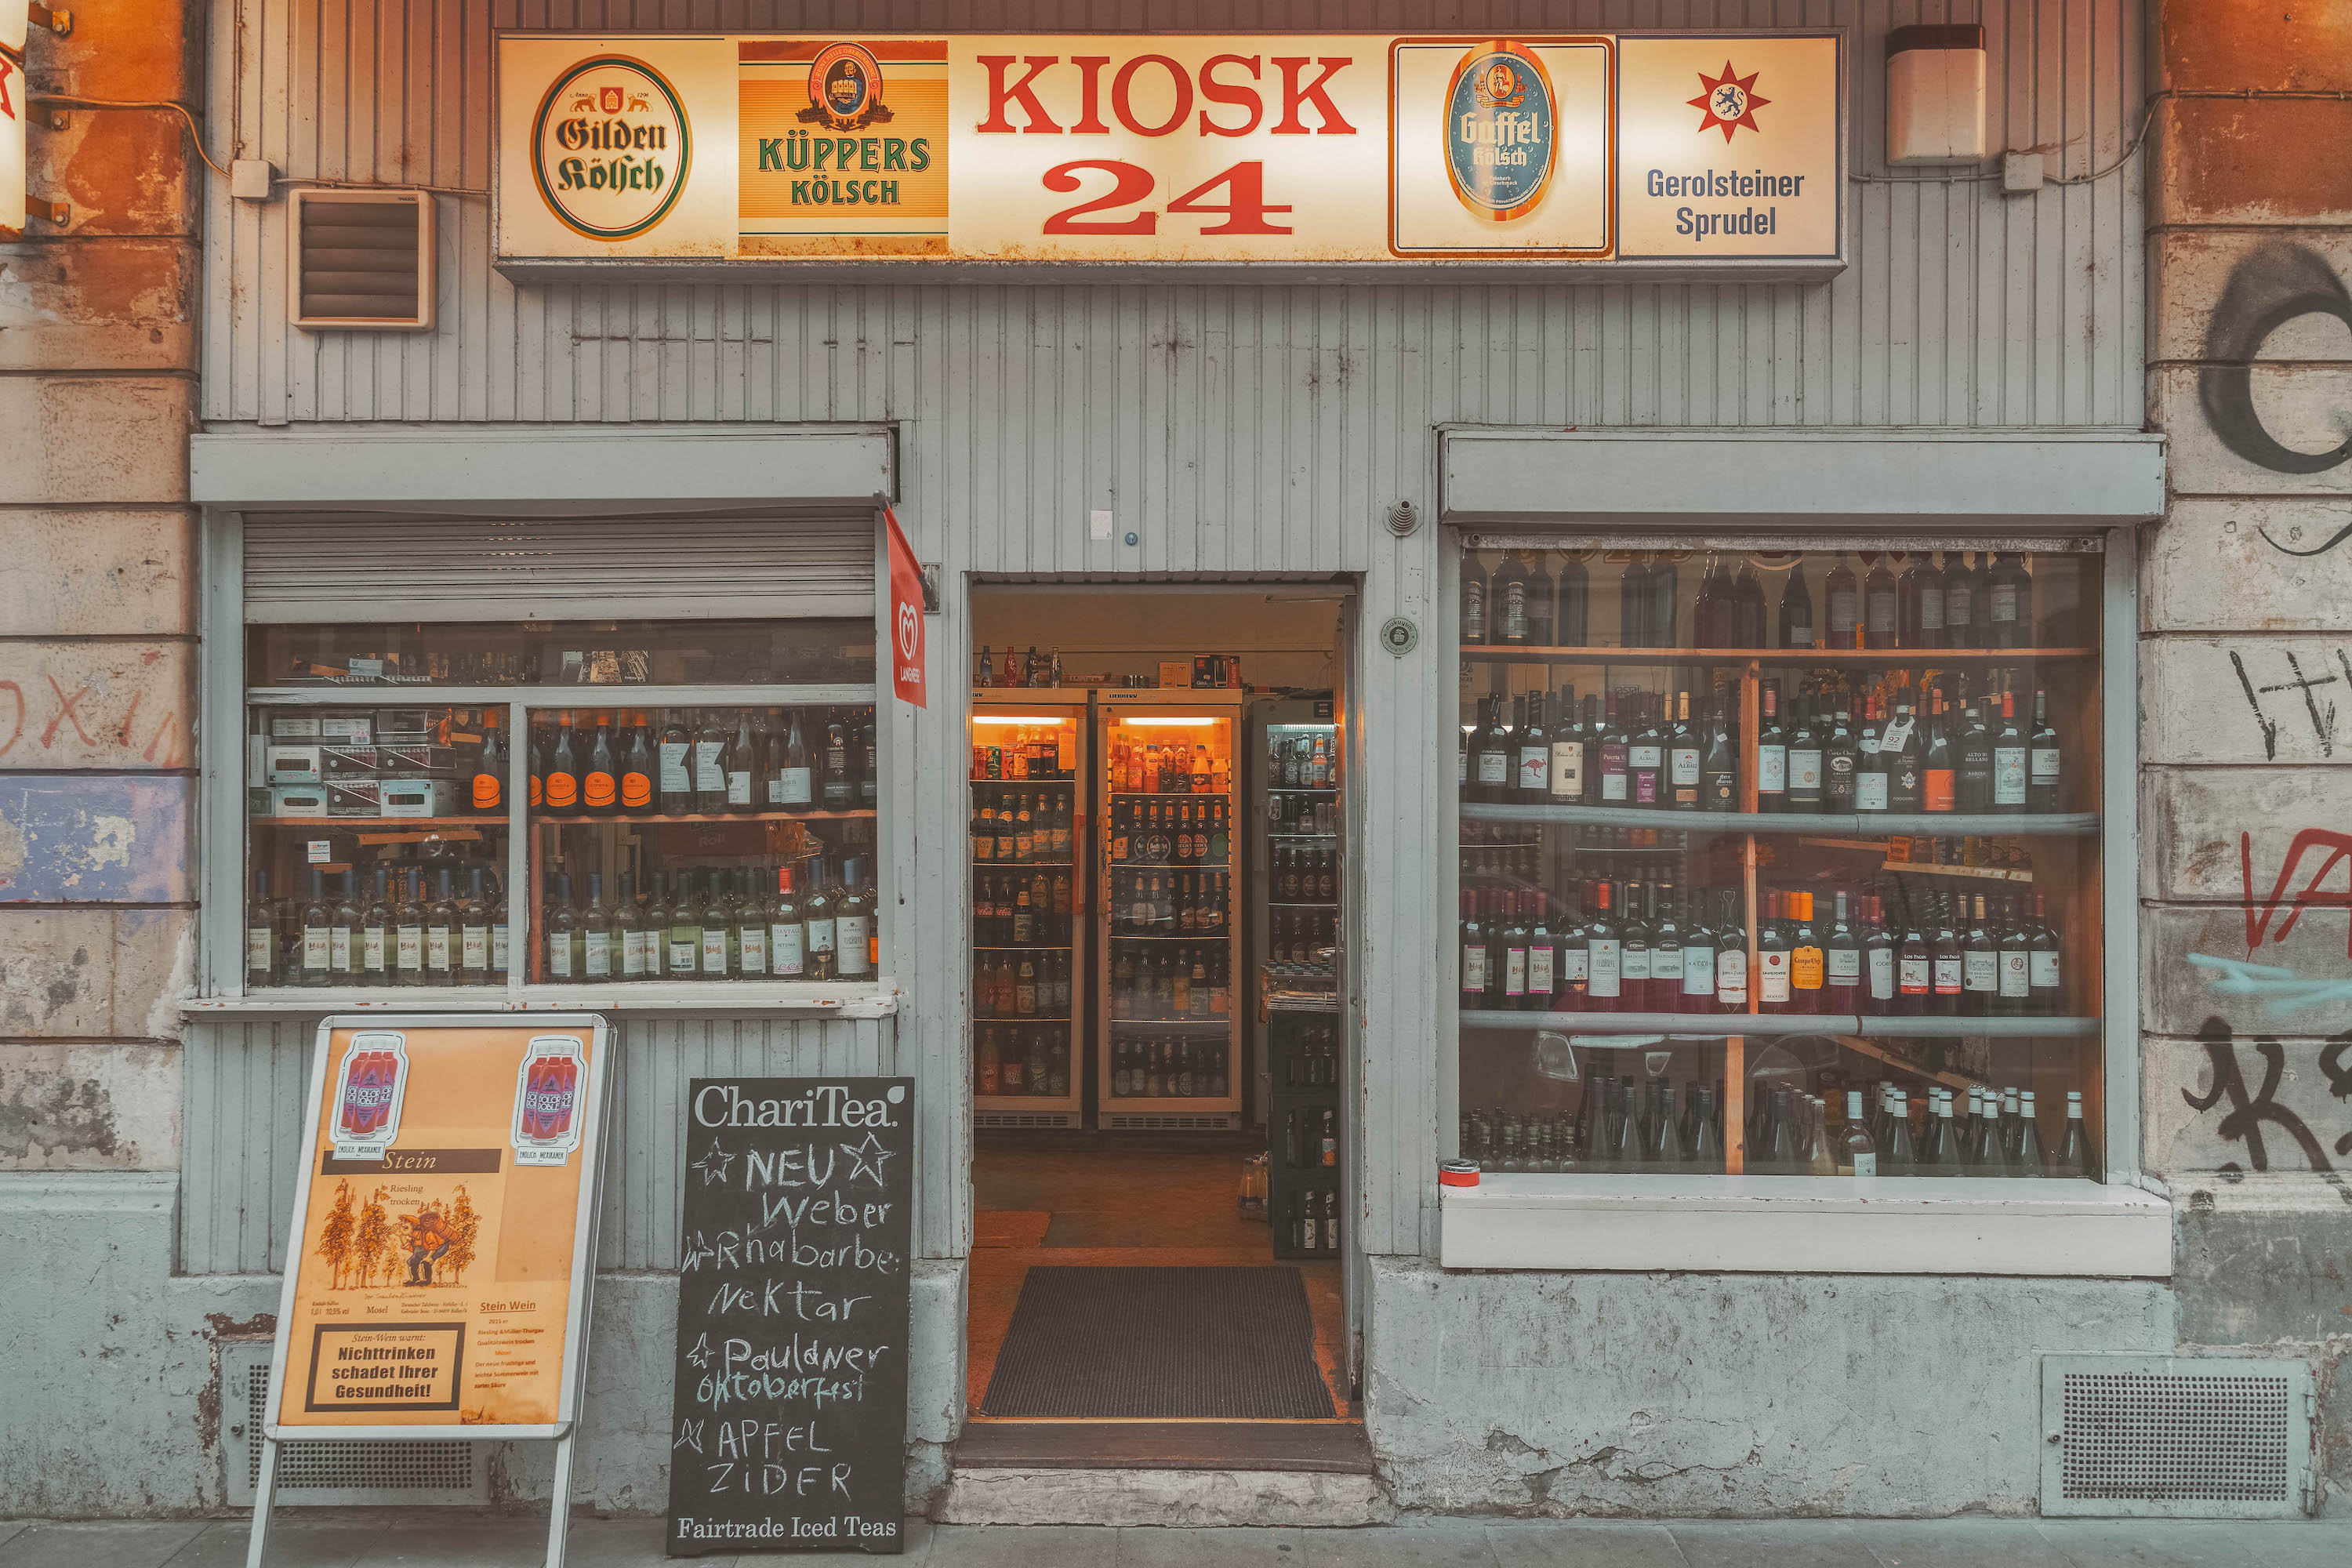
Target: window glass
{"x":702,"y":843}
{"x":1779,"y":863}
{"x":377,"y":847}
{"x":563,"y":653}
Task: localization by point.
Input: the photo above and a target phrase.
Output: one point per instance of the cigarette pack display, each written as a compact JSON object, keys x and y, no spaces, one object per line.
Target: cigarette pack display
{"x":350,"y":761}
{"x":347,"y":729}
{"x":294,"y":764}
{"x":298,"y":800}
{"x":418,"y":797}
{"x":294,"y":726}
{"x":354,"y":797}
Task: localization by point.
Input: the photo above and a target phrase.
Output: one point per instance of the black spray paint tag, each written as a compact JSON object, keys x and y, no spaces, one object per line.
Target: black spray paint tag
{"x":788,"y":1427}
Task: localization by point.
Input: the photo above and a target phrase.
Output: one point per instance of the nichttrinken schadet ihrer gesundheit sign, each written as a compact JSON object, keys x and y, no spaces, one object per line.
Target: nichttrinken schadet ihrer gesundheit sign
{"x":1657,"y":152}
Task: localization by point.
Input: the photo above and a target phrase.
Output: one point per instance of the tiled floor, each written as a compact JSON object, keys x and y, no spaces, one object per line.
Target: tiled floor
{"x":1113,"y":1206}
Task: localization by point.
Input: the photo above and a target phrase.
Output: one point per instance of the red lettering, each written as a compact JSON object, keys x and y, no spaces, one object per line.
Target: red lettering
{"x":2258,"y":922}
{"x":1293,"y":95}
{"x":1244,"y":206}
{"x":17,"y":733}
{"x":1238,"y":97}
{"x":999,"y":96}
{"x":66,"y":713}
{"x":1090,"y":121}
{"x":1129,"y":184}
{"x":1121,"y":106}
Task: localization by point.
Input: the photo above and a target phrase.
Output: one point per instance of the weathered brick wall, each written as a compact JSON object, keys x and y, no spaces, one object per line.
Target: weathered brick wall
{"x":97,"y":594}
{"x":2247,"y":664}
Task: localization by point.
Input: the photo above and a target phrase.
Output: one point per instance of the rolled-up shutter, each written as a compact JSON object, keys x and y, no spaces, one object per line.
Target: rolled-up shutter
{"x":670,"y":566}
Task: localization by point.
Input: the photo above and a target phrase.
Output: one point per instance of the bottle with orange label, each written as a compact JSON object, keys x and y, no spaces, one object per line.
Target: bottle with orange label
{"x":1806,"y":964}
{"x":600,"y":786}
{"x":563,"y":788}
{"x":490,"y":793}
{"x":536,"y":783}
{"x":638,"y":769}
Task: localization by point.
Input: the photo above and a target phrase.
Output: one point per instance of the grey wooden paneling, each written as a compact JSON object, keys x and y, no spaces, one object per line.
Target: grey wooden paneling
{"x":244,"y":1089}
{"x":242,"y":1085}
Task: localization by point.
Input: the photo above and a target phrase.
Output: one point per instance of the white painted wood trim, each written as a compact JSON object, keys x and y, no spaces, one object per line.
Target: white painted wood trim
{"x":724,"y":998}
{"x":545,"y":467}
{"x":1761,"y":478}
{"x":1807,"y":1225}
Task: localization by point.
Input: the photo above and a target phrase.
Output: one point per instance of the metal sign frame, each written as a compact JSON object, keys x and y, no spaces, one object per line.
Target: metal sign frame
{"x":571,"y":1384}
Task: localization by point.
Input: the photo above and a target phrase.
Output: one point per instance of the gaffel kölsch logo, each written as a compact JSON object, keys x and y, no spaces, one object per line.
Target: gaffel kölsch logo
{"x":1501,"y":130}
{"x":610,"y":147}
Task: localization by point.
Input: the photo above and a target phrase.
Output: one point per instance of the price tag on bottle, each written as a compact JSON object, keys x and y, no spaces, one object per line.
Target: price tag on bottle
{"x":315,"y":852}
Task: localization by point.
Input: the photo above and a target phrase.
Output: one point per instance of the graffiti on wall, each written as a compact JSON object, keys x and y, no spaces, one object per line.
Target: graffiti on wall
{"x":2251,"y":1111}
{"x":2298,"y":698}
{"x":2272,"y":285}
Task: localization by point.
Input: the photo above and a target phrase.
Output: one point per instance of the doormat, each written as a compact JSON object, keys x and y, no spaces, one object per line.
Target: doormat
{"x":1017,"y":1228}
{"x":1228,"y":1344}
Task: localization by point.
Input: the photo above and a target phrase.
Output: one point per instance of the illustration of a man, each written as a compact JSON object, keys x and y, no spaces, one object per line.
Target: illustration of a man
{"x":428,"y":1239}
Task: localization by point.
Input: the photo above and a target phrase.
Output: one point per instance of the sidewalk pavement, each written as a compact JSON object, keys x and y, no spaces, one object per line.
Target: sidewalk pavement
{"x":383,"y":1539}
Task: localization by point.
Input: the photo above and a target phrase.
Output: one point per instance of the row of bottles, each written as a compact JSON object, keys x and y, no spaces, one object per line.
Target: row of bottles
{"x":1041,"y":752}
{"x":1145,"y":1067}
{"x":1305,"y":874}
{"x":1310,"y":1222}
{"x":1021,"y":830}
{"x":1968,"y":599}
{"x":1310,"y":1138}
{"x":1290,"y":816}
{"x":1017,"y":669}
{"x":399,"y":926}
{"x":1170,"y":904}
{"x":1022,"y":1061}
{"x":1836,"y":751}
{"x":1012,"y":910}
{"x":1647,"y":947}
{"x":711,"y":763}
{"x":1172,"y":767}
{"x":1302,"y":938}
{"x":712,"y":923}
{"x":1310,"y":1058}
{"x":1158,"y":833}
{"x":1021,"y":985}
{"x":1300,"y":761}
{"x":1167,"y":984}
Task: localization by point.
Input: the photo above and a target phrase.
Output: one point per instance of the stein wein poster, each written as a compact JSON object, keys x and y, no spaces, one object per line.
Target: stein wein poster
{"x":437,"y":1261}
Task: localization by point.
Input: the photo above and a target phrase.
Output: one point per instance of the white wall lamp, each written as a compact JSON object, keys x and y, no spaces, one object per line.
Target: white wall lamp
{"x":1936,"y":95}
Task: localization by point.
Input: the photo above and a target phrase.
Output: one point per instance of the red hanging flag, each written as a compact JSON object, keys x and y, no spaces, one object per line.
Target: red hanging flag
{"x":907,"y":659}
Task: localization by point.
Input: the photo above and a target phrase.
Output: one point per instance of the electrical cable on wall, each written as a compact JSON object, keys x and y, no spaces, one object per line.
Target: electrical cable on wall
{"x":195,"y":136}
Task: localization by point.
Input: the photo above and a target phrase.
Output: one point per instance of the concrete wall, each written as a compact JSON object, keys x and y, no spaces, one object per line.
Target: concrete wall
{"x":2247,"y":630}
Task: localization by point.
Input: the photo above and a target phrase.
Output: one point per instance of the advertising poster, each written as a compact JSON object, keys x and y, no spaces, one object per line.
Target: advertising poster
{"x":444,"y":1225}
{"x":1306,"y":149}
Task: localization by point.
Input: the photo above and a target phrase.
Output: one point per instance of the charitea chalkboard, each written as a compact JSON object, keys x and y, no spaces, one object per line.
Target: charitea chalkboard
{"x":789,"y":1423}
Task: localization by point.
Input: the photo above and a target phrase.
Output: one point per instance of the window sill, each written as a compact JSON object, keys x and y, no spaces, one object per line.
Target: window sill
{"x":806,"y":998}
{"x":1806,"y":1224}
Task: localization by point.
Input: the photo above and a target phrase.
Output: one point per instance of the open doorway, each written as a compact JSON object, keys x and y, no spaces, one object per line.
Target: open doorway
{"x":1158,"y":916}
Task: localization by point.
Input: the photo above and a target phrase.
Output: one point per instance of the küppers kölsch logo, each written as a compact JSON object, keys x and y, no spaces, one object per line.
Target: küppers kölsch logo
{"x":610,"y":147}
{"x":1501,"y":130}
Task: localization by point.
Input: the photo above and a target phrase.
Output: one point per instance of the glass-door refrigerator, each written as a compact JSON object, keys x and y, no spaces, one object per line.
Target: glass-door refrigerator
{"x":1029,"y":880}
{"x":1169,"y":961}
{"x":1295,"y":936}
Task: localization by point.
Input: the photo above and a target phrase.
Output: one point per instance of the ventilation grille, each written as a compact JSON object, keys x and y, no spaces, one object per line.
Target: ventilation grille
{"x":1024,"y":1118}
{"x":2162,"y":1437}
{"x":300,"y":567}
{"x":332,"y":1474}
{"x":1207,"y":1121}
{"x":362,"y":259}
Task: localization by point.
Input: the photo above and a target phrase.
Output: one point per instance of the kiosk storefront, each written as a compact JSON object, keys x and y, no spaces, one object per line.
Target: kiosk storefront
{"x":1375,"y":322}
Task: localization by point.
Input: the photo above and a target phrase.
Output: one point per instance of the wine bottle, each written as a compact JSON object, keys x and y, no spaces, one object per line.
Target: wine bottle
{"x":746,"y":762}
{"x":376,"y":933}
{"x":1731,"y":957}
{"x":1844,"y":605}
{"x":2009,"y":602}
{"x":488,"y":795}
{"x":441,"y":933}
{"x":2074,"y":1158}
{"x":1492,"y":769}
{"x":711,"y":759}
{"x":2027,"y":1159}
{"x":1698,"y":959}
{"x":1972,"y":776}
{"x":562,"y":924}
{"x":1604,"y":956}
{"x":595,"y":933}
{"x":2046,"y":978}
{"x":1961,"y":597}
{"x":1804,"y":793}
{"x":1611,"y":755}
{"x":474,"y":931}
{"x":1668,"y":949}
{"x":683,"y":943}
{"x":1572,"y":591}
{"x":1534,"y":770}
{"x":1938,"y":773}
{"x":1796,"y":610}
{"x":1920,"y":601}
{"x":562,"y":783}
{"x":316,"y":964}
{"x":2046,"y":761}
{"x":1772,"y":956}
{"x":1944,"y":946}
{"x":1718,"y":763}
{"x":1632,"y":950}
{"x":1646,"y":756}
{"x":1842,"y":987}
{"x":1771,"y":753}
{"x":1900,"y":747}
{"x":1870,"y":777}
{"x":1882,"y":622}
{"x":1857,"y":1153}
{"x":676,"y":765}
{"x":1979,"y":966}
{"x":1473,"y":940}
{"x":638,"y":770}
{"x":1542,"y":604}
{"x":840,"y":792}
{"x":1682,"y":758}
{"x":2009,"y":759}
{"x":1807,"y":969}
{"x":1565,"y":774}
{"x":1840,"y":760}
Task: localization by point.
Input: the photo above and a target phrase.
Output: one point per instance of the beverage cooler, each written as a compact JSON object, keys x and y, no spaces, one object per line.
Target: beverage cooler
{"x":1167,"y":968}
{"x":1028,"y":901}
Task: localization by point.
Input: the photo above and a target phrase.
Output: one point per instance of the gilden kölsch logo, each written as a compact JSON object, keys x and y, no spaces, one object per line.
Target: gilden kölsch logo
{"x":369,"y":1089}
{"x":1501,"y":131}
{"x":610,"y":147}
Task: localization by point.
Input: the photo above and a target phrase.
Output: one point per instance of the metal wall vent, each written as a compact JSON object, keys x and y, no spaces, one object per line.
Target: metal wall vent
{"x":2176,"y":1437}
{"x":338,"y":1475}
{"x":1172,"y":1122}
{"x":1024,"y":1118}
{"x":361,"y":259}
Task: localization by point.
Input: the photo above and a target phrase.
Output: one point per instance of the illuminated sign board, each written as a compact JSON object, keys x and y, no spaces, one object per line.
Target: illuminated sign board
{"x":1313,"y":151}
{"x":14,"y":19}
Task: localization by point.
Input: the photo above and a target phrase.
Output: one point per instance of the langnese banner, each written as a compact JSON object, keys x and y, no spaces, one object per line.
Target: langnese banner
{"x":1310,"y":149}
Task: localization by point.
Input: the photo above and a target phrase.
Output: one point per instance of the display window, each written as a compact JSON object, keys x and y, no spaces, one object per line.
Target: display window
{"x":704,"y":809}
{"x":1780,"y":861}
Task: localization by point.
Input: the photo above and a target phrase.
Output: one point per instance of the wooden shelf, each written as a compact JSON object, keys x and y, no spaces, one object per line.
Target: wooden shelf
{"x":1936,"y":823}
{"x":1984,"y":873}
{"x":377,"y":824}
{"x":1491,"y":654}
{"x":1176,"y":1026}
{"x":1931,"y":1027}
{"x":625,"y":820}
